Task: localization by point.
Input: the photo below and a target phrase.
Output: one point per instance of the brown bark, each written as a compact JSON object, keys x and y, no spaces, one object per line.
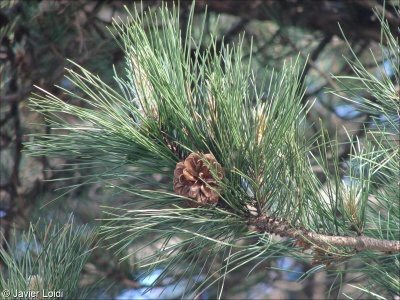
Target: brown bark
{"x":323,"y":241}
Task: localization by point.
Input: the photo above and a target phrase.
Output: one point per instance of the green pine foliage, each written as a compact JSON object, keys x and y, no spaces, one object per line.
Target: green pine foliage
{"x":173,"y":102}
{"x":48,"y":259}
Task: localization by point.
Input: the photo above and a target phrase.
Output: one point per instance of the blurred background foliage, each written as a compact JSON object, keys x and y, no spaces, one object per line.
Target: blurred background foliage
{"x":37,"y":38}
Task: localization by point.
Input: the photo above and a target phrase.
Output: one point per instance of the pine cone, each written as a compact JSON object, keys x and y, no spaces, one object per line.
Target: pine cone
{"x":193,"y":179}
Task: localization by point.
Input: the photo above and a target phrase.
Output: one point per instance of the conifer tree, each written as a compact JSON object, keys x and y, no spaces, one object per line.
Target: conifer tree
{"x":236,"y":153}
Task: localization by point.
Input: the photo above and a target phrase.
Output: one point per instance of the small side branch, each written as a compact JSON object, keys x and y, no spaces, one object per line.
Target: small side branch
{"x":323,"y":241}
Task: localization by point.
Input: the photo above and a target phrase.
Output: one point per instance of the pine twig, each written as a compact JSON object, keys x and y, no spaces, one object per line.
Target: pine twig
{"x":359,"y":243}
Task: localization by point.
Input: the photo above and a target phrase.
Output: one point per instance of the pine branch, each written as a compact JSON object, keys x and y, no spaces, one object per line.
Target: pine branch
{"x":265,"y":224}
{"x":230,"y":154}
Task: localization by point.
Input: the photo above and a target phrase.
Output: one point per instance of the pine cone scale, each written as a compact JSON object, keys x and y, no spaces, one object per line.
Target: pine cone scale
{"x":206,"y":191}
{"x":183,"y":180}
{"x":179,"y":169}
{"x":189,"y":175}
